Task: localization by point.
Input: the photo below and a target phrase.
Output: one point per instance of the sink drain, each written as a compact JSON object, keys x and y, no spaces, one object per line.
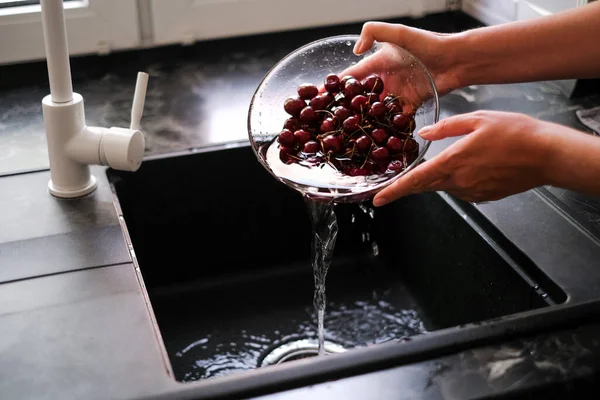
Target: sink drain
{"x":296,"y":350}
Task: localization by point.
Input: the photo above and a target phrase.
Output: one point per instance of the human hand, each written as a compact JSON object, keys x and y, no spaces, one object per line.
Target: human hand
{"x":435,"y":50}
{"x":502,"y":154}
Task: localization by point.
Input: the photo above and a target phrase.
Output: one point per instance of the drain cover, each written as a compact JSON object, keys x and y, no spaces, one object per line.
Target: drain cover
{"x":298,"y":349}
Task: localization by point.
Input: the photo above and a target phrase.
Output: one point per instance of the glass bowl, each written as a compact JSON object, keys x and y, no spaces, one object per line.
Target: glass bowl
{"x":344,"y":175}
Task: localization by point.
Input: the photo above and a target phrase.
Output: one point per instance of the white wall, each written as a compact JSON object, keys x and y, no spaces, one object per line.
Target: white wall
{"x":493,"y":12}
{"x":102,"y":26}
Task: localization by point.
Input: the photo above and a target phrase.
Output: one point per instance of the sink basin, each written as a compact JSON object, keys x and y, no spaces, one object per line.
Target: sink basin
{"x":223,"y":250}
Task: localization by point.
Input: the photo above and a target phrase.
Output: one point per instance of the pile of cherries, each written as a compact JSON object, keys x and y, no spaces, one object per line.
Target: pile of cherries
{"x":352,"y":125}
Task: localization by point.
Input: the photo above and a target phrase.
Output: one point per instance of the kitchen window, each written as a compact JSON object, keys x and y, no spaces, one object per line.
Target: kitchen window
{"x":104,"y":26}
{"x":93,"y":26}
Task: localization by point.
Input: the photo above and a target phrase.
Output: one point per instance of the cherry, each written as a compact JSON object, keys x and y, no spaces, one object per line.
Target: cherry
{"x":379,"y":135}
{"x":308,"y":115}
{"x":359,"y":103}
{"x":372,"y":97}
{"x":307,"y":91}
{"x":396,"y":165}
{"x":319,"y":102}
{"x":394,"y":108}
{"x":341,"y":112}
{"x":401,"y":121}
{"x":353,"y":88}
{"x":302,"y":136}
{"x":345,"y":79}
{"x":378,"y":109}
{"x":363,"y":144}
{"x":410,"y":145}
{"x":373,"y":83}
{"x":332,"y":83}
{"x":292,"y":124}
{"x":394,"y":145}
{"x":332,"y":143}
{"x":294,"y":105}
{"x":328,"y":125}
{"x":311,"y":147}
{"x":380,"y":155}
{"x":343,"y":101}
{"x":286,"y":138}
{"x":285,"y":150}
{"x":351,"y":124}
{"x":358,"y":172}
{"x":390,"y":99}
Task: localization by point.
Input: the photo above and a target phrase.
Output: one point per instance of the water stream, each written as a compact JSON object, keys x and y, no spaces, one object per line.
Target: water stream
{"x":325,"y":230}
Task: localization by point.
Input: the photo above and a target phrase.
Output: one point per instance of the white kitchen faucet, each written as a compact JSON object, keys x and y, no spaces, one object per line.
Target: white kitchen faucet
{"x":72,"y":145}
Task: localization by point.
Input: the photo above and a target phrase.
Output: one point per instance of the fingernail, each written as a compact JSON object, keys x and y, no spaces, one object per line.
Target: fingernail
{"x":380,"y":201}
{"x":424,"y":131}
{"x":357,"y":46}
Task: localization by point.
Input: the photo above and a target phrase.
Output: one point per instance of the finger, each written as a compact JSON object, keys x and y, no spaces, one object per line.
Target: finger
{"x":457,"y":125}
{"x":381,"y":32}
{"x":429,"y":176}
{"x":366,"y":66}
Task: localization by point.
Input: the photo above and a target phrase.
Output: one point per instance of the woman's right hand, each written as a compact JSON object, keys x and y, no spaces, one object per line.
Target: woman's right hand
{"x":434,"y":50}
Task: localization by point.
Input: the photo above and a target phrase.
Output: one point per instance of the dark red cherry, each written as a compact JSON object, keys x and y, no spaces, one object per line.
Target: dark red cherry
{"x":345,"y":79}
{"x":379,"y":135}
{"x":372,"y":97}
{"x":378,"y":110}
{"x":307,"y":91}
{"x":302,"y":136}
{"x":292,"y":124}
{"x":352,"y":88}
{"x":396,"y":165}
{"x":359,"y":103}
{"x":332,"y":143}
{"x":358,"y":172}
{"x":380,"y":155}
{"x":308,"y":115}
{"x":401,"y":121}
{"x":373,"y":83}
{"x":311,"y":147}
{"x":332,"y":83}
{"x":286,"y":138}
{"x":363,"y":144}
{"x":328,"y":125}
{"x":319,"y":102}
{"x":351,"y":124}
{"x":341,"y":112}
{"x":410,"y":146}
{"x":293,"y":106}
{"x":394,"y":145}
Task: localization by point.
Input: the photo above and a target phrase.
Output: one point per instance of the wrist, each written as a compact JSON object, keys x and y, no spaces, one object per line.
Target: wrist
{"x":463,"y":66}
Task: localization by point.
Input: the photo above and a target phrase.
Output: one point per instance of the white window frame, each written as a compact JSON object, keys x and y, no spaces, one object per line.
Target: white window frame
{"x":93,"y":27}
{"x":494,"y":12}
{"x":187,"y":21}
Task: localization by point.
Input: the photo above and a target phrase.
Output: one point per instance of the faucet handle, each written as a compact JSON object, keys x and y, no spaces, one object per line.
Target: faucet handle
{"x":139,"y":96}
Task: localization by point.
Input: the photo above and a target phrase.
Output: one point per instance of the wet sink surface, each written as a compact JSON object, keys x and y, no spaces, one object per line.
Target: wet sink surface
{"x":224,"y":251}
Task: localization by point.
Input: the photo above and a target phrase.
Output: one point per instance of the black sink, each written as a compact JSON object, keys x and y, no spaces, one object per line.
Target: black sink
{"x":224,"y":253}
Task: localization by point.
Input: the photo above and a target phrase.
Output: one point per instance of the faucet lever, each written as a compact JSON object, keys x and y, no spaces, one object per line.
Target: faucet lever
{"x":139,"y":96}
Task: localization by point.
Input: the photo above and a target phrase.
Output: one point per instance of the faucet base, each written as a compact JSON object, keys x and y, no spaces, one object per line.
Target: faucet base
{"x":71,"y":194}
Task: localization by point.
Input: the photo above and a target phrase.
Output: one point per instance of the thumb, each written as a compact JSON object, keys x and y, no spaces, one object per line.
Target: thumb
{"x":382,"y":32}
{"x":457,"y":125}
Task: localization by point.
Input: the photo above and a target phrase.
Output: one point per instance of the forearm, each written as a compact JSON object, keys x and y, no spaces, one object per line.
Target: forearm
{"x":561,"y":46}
{"x":573,"y":160}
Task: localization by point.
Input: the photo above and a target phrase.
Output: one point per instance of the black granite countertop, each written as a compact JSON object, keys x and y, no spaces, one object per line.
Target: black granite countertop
{"x":74,"y":321}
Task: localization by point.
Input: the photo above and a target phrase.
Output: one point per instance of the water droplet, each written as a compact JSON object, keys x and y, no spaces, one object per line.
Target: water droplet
{"x":363,"y":237}
{"x":348,"y":43}
{"x":371,"y":213}
{"x":375,"y":248}
{"x":353,"y":218}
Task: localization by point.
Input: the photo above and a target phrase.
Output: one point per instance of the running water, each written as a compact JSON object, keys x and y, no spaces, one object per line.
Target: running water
{"x":325,"y":229}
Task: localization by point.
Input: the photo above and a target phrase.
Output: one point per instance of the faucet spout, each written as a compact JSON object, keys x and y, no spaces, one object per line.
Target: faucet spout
{"x":57,"y":50}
